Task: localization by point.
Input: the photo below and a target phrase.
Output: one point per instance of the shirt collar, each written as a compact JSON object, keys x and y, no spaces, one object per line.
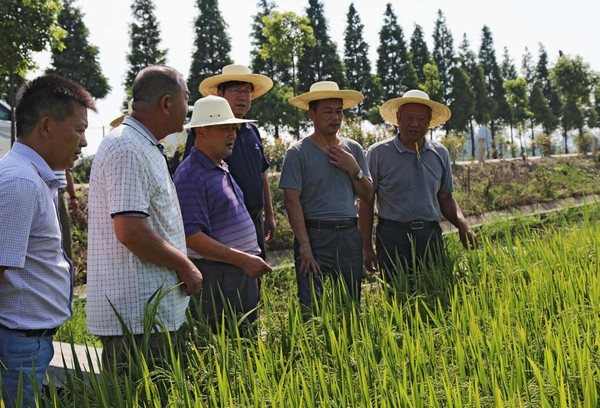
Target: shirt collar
{"x":206,"y":161}
{"x":45,"y":172}
{"x":143,"y":130}
{"x":401,"y":147}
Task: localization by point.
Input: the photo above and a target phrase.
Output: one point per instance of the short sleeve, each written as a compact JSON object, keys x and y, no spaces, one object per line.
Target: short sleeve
{"x":127,"y":183}
{"x":291,"y":171}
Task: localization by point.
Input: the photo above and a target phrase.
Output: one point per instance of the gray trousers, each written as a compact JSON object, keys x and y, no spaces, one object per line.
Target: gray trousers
{"x":339,"y":255}
{"x":403,"y":250}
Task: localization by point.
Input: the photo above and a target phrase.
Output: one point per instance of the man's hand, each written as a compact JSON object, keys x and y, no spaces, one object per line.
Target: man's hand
{"x":254,"y":266}
{"x":467,"y":237}
{"x":73,"y":205}
{"x":191,"y":278}
{"x":369,"y":259}
{"x":343,"y":160}
{"x":308,"y":264}
{"x":270,"y":228}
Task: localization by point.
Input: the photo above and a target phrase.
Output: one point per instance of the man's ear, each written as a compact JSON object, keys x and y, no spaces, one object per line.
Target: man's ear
{"x":165,"y":103}
{"x":44,"y":126}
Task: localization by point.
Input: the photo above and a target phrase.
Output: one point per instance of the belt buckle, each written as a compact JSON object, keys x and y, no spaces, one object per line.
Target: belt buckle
{"x":417,"y":225}
{"x":340,"y":226}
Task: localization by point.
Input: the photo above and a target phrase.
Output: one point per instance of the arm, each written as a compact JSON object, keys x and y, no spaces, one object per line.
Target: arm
{"x":146,"y":244}
{"x":365,"y":224}
{"x":270,"y":224}
{"x":209,"y":248}
{"x":296,"y":217}
{"x":2,"y":268}
{"x":73,"y":201}
{"x":451,"y":210}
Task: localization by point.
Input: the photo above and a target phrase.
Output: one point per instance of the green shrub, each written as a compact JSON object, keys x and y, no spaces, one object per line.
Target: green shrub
{"x":545,"y":144}
{"x":584,"y":143}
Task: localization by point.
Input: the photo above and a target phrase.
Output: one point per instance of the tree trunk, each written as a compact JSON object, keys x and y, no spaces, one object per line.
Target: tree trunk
{"x":472,"y":139}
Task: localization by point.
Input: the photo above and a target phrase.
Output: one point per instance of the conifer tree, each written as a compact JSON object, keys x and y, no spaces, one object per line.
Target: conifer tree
{"x":356,"y":61}
{"x":483,"y":103}
{"x":272,"y":109}
{"x":394,"y":68}
{"x":320,"y":62}
{"x":554,"y":103}
{"x":79,"y":59}
{"x":419,"y":53}
{"x":443,"y":54}
{"x":494,"y":83}
{"x":462,"y":101}
{"x":212,"y":45}
{"x":508,"y":69}
{"x":144,"y":42}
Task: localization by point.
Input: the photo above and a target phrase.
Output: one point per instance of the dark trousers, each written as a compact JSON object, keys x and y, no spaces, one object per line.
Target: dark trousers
{"x":117,"y":351}
{"x":339,"y":255}
{"x":259,"y":226}
{"x":65,"y":223}
{"x":402,"y":250}
{"x":227,"y":293}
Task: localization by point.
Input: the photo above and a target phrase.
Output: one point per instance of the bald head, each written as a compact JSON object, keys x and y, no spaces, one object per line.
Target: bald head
{"x":153,"y":82}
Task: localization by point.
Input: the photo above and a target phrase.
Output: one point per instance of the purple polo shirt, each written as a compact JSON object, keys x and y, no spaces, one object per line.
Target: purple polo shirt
{"x":211,"y":202}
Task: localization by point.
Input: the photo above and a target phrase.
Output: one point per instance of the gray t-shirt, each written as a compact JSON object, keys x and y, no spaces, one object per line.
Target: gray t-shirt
{"x":406,"y":184}
{"x":326,"y":191}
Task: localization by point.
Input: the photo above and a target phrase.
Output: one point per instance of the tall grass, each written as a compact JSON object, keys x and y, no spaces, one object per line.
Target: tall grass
{"x":516,"y":327}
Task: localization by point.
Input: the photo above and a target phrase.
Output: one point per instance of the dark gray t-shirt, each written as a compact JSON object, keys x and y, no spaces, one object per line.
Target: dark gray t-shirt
{"x":406,"y":184}
{"x":326,"y":191}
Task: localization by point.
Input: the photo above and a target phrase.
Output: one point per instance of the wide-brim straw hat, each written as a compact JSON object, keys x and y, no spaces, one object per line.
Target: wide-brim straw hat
{"x":327,"y":90}
{"x":235,"y":72}
{"x":439,"y":112}
{"x":211,"y":111}
{"x":117,"y":121}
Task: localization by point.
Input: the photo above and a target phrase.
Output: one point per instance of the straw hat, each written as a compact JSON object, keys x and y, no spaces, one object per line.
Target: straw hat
{"x":117,"y":121}
{"x":234,"y":72}
{"x":439,"y":112}
{"x":327,"y":90}
{"x":211,"y":111}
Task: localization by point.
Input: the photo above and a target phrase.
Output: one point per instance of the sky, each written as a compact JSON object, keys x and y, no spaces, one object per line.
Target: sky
{"x":514,"y":24}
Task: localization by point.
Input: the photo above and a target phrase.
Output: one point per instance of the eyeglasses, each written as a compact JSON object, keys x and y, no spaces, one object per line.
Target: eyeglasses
{"x":245,"y":92}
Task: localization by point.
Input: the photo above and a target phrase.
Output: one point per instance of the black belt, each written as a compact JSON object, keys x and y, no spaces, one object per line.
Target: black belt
{"x":331,"y":225}
{"x":32,"y":333}
{"x":413,"y":225}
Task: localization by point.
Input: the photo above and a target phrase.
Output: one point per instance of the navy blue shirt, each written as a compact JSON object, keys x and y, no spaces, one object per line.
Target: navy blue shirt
{"x":246,"y":164}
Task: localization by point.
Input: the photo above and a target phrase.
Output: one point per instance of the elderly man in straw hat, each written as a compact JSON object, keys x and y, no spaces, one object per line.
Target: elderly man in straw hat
{"x":321,"y":176}
{"x":220,"y":234}
{"x":412,"y":183}
{"x":247,"y":164}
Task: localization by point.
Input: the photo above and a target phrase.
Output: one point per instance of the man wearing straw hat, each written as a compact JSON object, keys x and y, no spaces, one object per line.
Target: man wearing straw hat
{"x":412,"y":183}
{"x":247,"y":163}
{"x":136,"y":244}
{"x":322,"y":175}
{"x":220,"y":233}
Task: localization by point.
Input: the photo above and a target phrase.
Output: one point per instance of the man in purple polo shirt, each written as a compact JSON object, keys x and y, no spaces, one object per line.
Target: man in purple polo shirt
{"x":220,"y":233}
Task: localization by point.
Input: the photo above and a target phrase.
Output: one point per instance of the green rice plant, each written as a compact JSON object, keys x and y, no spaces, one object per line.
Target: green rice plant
{"x":513,"y":323}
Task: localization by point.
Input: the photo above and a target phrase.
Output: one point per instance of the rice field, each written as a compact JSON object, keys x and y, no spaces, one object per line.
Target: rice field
{"x":514,"y":323}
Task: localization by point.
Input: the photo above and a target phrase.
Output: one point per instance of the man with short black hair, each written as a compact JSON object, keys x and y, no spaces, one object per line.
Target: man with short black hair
{"x":322,"y":176}
{"x":36,"y":277}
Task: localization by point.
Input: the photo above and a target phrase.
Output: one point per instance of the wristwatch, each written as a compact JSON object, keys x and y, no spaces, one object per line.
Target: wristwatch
{"x":359,"y":175}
